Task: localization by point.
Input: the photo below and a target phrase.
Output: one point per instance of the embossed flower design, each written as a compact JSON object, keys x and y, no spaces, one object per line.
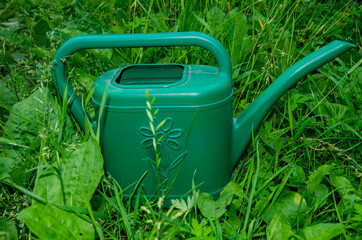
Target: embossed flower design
{"x":165,"y":136}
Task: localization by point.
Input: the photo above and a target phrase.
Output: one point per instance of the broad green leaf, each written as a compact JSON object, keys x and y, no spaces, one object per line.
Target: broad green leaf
{"x":103,"y":55}
{"x":342,"y":184}
{"x":297,"y":177}
{"x":323,"y":231}
{"x":41,"y":27}
{"x":49,"y":222}
{"x":86,"y":80}
{"x":7,"y":97}
{"x":320,"y":196}
{"x":291,"y":204}
{"x":238,"y":35}
{"x":278,"y":143}
{"x":48,"y":185}
{"x":6,"y":164}
{"x":261,"y":203}
{"x":215,"y":209}
{"x":18,"y":174}
{"x":335,"y":112}
{"x":72,"y":32}
{"x":209,"y":207}
{"x":8,"y":230}
{"x":345,"y":190}
{"x":81,"y":172}
{"x":24,"y":122}
{"x":28,"y":117}
{"x":236,"y":190}
{"x":279,"y":228}
{"x":39,"y":35}
{"x":317,"y":176}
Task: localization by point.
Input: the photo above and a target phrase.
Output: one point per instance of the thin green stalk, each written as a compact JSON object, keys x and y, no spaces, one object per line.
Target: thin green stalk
{"x":252,"y":191}
{"x":96,"y":226}
{"x":338,"y":215}
{"x":104,"y":97}
{"x":124,"y":214}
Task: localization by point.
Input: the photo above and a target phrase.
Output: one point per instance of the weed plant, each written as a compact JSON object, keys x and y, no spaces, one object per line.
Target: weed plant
{"x":300,"y":177}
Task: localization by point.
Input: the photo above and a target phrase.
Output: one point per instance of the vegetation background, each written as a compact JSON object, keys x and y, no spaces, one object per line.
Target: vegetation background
{"x":299,"y":178}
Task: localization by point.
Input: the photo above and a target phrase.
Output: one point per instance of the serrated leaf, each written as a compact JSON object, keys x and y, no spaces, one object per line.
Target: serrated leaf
{"x":279,"y":228}
{"x":196,"y":227}
{"x":179,"y":204}
{"x":49,"y":222}
{"x":323,"y":231}
{"x":358,"y":211}
{"x":200,"y":230}
{"x":232,"y":221}
{"x":81,"y":172}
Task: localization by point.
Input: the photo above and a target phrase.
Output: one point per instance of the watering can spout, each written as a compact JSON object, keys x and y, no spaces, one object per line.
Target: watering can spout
{"x":250,"y":119}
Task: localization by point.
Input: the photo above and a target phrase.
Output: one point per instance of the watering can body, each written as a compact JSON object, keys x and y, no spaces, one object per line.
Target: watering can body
{"x":194,"y":104}
{"x":194,"y":133}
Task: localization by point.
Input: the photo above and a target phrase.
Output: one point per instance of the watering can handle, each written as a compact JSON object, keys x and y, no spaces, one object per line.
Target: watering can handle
{"x":129,"y":40}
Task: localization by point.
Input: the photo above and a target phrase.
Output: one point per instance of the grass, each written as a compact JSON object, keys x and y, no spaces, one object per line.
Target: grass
{"x":300,"y":176}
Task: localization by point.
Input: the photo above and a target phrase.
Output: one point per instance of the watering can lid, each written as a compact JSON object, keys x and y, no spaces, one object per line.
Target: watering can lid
{"x":192,"y":86}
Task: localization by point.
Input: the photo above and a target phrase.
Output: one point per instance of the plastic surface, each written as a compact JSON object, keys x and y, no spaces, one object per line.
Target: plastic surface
{"x":200,"y":139}
{"x":196,"y":86}
{"x":130,"y":40}
{"x":199,"y":102}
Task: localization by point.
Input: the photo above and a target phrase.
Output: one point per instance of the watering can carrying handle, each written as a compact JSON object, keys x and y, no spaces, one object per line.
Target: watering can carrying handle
{"x":130,"y":41}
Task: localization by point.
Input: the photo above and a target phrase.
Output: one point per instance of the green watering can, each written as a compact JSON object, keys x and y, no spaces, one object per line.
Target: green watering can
{"x":197,"y":137}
